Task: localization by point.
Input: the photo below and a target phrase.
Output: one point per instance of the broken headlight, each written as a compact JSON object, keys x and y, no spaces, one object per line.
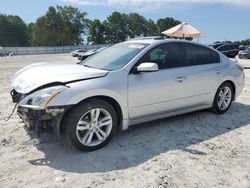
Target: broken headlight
{"x":43,"y":97}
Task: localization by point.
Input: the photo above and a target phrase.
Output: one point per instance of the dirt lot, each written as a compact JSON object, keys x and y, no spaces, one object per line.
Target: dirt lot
{"x":194,"y":150}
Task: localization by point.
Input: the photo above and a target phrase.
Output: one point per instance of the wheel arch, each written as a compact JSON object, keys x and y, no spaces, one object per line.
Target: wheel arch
{"x":108,"y":99}
{"x":232,"y":84}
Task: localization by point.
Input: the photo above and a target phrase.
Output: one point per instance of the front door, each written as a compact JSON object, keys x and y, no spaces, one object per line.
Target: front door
{"x":151,"y":93}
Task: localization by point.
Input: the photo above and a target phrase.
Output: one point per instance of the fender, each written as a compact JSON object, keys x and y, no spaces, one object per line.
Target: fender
{"x":79,"y":91}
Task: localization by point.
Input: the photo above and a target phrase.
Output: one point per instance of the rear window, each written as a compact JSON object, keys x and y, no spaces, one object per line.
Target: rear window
{"x":215,"y":57}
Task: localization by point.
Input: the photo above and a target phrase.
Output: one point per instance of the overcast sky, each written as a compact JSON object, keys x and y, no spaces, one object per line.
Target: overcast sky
{"x":217,"y":19}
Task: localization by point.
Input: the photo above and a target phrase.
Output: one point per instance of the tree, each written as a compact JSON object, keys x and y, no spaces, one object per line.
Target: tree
{"x":59,"y":26}
{"x":245,"y":42}
{"x":96,"y":32}
{"x":116,"y":27}
{"x":12,"y":31}
{"x":29,"y":30}
{"x":152,"y":29}
{"x":47,"y":29}
{"x":137,"y":25}
{"x":74,"y":24}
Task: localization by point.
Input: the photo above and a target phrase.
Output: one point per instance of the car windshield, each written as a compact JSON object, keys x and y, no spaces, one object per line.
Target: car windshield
{"x":115,"y":57}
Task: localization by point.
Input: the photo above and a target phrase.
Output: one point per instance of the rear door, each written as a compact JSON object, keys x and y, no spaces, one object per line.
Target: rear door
{"x":204,"y":70}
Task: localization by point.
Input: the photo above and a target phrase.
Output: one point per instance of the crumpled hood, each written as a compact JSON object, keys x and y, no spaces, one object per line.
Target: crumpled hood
{"x":39,"y":74}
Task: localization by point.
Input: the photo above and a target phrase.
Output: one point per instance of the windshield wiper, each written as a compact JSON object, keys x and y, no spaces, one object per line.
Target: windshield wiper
{"x":97,"y":68}
{"x":88,"y":66}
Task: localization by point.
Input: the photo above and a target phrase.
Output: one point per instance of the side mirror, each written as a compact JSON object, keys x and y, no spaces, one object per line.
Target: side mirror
{"x":147,"y":67}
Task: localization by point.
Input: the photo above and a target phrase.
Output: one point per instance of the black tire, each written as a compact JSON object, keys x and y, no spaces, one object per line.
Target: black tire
{"x":215,"y":108}
{"x":75,"y":114}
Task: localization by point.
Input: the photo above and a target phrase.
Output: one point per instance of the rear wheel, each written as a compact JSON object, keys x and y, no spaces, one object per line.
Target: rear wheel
{"x":90,"y":125}
{"x":223,"y":98}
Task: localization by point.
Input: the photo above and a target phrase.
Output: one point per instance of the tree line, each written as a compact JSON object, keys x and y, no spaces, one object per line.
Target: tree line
{"x":67,"y":25}
{"x":119,"y":27}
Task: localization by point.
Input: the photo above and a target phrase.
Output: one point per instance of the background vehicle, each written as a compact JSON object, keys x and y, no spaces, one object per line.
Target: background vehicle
{"x":126,"y":84}
{"x":75,"y":53}
{"x":216,"y":45}
{"x":229,"y":50}
{"x":85,"y":55}
{"x":244,"y":54}
{"x":242,"y":47}
{"x":9,"y":53}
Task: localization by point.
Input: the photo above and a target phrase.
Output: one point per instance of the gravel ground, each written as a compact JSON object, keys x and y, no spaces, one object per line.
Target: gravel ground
{"x":199,"y":149}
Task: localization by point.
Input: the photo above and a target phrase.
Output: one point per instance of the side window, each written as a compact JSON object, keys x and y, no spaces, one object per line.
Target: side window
{"x":156,"y":55}
{"x":166,"y":56}
{"x":197,"y":55}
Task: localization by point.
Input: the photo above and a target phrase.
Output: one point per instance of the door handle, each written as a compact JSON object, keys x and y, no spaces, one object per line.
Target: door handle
{"x":180,"y":79}
{"x":217,"y":72}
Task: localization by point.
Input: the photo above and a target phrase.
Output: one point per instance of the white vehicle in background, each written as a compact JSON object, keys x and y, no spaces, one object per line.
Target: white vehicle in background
{"x":84,"y":55}
{"x":129,"y":83}
{"x":244,"y":54}
{"x":3,"y":53}
{"x":75,"y":53}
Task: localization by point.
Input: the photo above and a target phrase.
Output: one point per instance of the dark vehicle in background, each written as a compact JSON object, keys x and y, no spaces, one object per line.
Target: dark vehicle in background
{"x":230,"y":50}
{"x":85,"y":55}
{"x":244,"y":54}
{"x":216,"y":45}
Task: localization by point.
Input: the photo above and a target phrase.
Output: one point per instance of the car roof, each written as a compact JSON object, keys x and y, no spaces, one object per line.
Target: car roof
{"x":142,"y":41}
{"x":163,"y":41}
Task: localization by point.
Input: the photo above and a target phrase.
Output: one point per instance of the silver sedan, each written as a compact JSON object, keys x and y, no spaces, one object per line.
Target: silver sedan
{"x":129,"y":83}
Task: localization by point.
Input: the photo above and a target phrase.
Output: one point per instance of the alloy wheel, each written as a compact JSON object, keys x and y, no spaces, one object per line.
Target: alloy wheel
{"x":94,"y":127}
{"x":224,"y":98}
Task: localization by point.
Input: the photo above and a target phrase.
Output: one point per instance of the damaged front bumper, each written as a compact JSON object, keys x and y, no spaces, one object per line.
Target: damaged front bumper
{"x":38,"y":118}
{"x":42,"y":120}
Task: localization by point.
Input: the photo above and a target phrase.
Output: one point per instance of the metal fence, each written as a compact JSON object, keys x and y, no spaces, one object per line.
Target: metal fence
{"x":49,"y":50}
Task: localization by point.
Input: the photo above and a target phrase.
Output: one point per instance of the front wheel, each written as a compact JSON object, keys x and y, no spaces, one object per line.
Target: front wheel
{"x":223,"y":98}
{"x":90,"y":125}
